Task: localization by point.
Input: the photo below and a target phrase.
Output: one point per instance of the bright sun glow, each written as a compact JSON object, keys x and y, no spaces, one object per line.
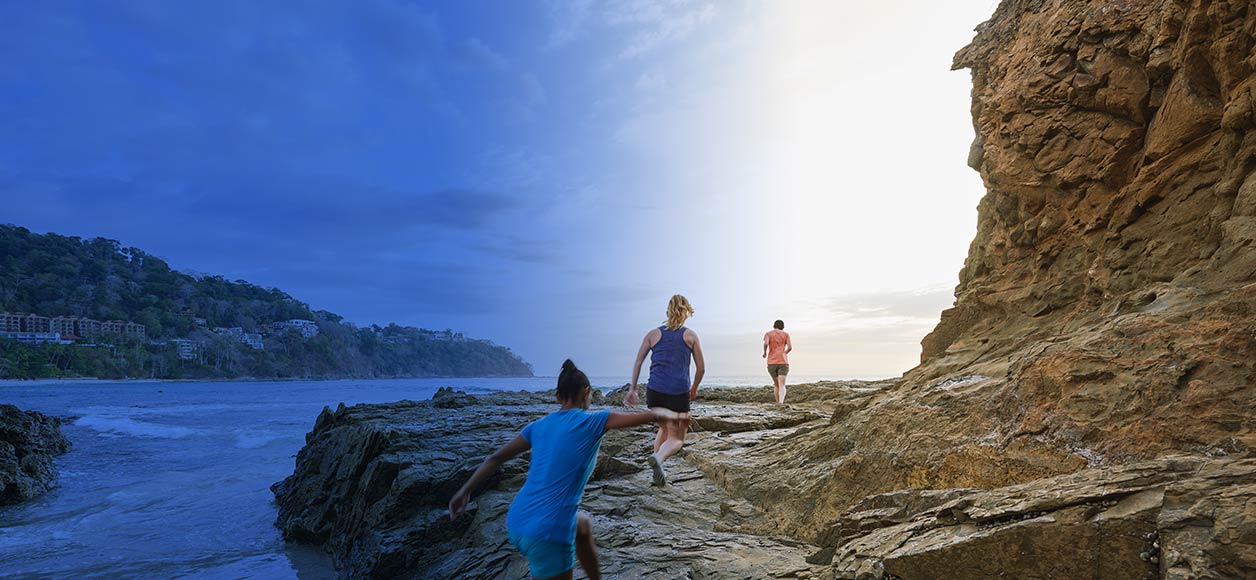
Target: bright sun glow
{"x":815,"y":157}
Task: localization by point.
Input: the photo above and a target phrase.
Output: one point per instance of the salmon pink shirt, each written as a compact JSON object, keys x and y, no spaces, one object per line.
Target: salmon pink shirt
{"x":776,"y":340}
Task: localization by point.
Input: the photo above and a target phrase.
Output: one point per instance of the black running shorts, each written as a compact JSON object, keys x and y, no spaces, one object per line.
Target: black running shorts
{"x":678,"y":403}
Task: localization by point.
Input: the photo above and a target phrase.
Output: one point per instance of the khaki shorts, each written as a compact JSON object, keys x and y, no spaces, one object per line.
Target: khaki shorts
{"x":778,"y":370}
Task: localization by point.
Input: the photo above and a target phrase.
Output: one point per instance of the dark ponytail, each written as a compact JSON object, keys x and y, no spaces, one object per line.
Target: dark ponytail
{"x":571,"y":382}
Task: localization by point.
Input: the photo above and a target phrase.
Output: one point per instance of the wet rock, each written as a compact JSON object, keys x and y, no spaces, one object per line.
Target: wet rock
{"x":28,"y":442}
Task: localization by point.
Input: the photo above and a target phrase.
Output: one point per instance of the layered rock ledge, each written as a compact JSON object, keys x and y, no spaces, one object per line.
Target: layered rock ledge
{"x":373,"y":482}
{"x":28,"y":442}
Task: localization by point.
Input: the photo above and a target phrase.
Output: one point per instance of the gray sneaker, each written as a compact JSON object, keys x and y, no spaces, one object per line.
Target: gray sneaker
{"x":660,"y":478}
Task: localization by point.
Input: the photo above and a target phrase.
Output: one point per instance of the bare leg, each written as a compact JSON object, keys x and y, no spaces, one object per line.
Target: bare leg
{"x":675,"y":437}
{"x":661,"y":437}
{"x":780,"y":389}
{"x":586,"y":548}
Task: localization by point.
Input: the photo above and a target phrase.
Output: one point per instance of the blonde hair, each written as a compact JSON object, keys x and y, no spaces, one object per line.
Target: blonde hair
{"x":678,"y":309}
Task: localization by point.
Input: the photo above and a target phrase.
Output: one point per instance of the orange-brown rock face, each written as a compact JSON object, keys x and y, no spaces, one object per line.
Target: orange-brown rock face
{"x":1110,"y":285}
{"x":1107,"y":309}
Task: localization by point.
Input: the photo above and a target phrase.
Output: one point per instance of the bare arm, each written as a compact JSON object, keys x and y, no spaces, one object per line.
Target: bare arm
{"x":765,"y":346}
{"x":699,"y":364}
{"x":636,"y":368}
{"x":789,"y":344}
{"x":507,"y":452}
{"x":618,"y":420}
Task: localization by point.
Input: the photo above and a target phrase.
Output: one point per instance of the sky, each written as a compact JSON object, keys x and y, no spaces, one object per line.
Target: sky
{"x":544,"y":174}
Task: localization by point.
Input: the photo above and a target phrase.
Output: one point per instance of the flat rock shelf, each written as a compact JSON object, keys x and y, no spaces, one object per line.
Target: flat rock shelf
{"x":372,"y":484}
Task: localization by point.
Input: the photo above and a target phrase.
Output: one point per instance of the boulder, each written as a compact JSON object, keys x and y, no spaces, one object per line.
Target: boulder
{"x":28,"y":442}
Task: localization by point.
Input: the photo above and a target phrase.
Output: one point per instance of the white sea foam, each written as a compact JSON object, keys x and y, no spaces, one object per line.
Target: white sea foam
{"x":246,"y":439}
{"x":108,"y":425}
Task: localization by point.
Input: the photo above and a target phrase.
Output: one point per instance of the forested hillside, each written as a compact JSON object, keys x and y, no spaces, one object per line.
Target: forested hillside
{"x":53,"y":275}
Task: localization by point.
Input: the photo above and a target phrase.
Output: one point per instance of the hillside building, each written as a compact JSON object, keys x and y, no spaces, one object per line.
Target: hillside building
{"x":188,"y":349}
{"x":307,"y":328}
{"x":66,"y":326}
{"x":254,"y":340}
{"x":36,"y":337}
{"x":37,"y":324}
{"x":134,"y":330}
{"x":11,"y":322}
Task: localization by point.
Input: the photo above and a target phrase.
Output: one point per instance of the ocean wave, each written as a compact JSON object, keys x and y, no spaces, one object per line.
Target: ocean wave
{"x":149,"y":410}
{"x":107,"y":425}
{"x":255,"y":439}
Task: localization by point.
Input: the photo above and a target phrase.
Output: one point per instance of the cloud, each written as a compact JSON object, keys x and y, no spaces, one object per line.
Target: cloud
{"x":518,"y":249}
{"x":530,"y":98}
{"x":655,"y":23}
{"x":485,"y":55}
{"x":567,"y":21}
{"x":651,"y":81}
{"x":891,"y":305}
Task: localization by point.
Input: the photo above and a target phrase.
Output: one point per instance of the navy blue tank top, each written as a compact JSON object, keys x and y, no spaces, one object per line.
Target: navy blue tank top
{"x":669,"y":362}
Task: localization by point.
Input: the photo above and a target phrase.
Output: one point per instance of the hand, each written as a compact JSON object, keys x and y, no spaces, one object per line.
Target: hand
{"x":631,"y":399}
{"x":665,"y":414}
{"x":693,"y":394}
{"x":457,"y":505}
{"x":765,"y":355}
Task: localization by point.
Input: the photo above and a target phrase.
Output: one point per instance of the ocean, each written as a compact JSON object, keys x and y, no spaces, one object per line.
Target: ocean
{"x":172,"y":479}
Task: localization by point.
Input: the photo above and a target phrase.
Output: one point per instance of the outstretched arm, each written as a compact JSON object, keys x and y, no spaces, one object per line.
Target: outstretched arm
{"x":508,"y":451}
{"x":636,"y":370}
{"x":618,"y":420}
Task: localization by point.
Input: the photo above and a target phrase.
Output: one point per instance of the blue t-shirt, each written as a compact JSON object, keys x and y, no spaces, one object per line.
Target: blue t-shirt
{"x":564,"y":450}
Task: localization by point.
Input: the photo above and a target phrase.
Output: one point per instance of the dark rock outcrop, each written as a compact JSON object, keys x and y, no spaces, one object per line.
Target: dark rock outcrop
{"x":28,"y":442}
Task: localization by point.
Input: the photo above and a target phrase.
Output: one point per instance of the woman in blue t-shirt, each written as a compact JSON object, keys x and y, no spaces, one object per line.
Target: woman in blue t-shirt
{"x":544,"y":521}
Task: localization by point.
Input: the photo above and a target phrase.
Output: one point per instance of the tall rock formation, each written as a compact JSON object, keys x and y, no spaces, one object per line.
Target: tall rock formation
{"x":1110,"y":285}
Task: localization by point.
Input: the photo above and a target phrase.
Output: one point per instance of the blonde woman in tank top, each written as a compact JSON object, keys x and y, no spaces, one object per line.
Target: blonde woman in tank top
{"x":670,"y":346}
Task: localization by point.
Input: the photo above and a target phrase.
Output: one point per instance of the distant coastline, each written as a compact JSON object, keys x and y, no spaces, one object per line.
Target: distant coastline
{"x":112,"y":312}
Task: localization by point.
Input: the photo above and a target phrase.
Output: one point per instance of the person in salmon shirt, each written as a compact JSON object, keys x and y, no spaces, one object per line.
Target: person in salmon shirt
{"x":776,"y":348}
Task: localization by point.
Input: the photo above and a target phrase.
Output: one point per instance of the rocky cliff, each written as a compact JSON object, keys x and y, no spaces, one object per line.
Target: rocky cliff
{"x":1110,"y":288}
{"x":28,"y":442}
